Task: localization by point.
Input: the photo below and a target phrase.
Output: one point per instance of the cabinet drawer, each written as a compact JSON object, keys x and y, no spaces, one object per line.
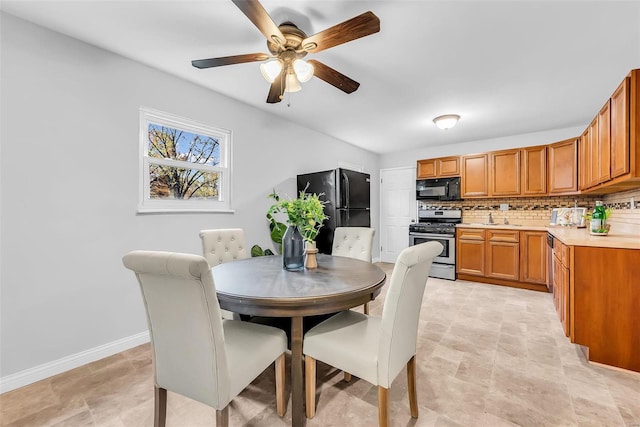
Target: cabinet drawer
{"x":471,"y":233}
{"x":565,"y":255}
{"x":503,"y":236}
{"x":561,"y":253}
{"x":557,"y":249}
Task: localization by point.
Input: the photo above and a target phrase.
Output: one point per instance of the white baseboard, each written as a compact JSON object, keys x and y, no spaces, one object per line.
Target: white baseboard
{"x":37,"y":373}
{"x":376,"y":259}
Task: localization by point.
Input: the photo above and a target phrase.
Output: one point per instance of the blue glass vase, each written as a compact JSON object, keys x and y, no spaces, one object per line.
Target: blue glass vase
{"x":292,"y":249}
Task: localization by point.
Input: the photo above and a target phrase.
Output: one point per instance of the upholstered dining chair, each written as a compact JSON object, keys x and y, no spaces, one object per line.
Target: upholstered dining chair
{"x":224,"y":245}
{"x":354,"y":242}
{"x":196,"y":352}
{"x":372,"y":348}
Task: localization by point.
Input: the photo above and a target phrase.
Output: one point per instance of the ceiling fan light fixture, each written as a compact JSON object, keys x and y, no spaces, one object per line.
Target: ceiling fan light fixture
{"x":304,"y":70}
{"x":291,"y":83}
{"x":271,"y":70}
{"x":447,"y":121}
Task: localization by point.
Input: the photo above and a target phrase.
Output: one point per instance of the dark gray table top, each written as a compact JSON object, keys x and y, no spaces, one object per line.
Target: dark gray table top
{"x":260,"y":286}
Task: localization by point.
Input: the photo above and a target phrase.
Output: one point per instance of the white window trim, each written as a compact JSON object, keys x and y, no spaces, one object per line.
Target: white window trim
{"x":145,"y":203}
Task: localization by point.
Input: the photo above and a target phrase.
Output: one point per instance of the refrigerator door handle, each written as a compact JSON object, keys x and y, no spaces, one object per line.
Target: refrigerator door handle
{"x":346,"y":190}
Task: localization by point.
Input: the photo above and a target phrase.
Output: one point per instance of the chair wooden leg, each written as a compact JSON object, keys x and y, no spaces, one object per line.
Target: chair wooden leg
{"x":281,"y":407}
{"x":411,"y":382}
{"x":347,"y":377}
{"x":222,"y":417}
{"x":383,"y":406}
{"x":310,"y":385}
{"x":366,"y":308}
{"x":160,"y":407}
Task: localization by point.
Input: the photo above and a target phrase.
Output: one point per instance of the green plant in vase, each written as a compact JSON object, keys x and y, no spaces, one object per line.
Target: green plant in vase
{"x":306,"y":212}
{"x":304,"y":216}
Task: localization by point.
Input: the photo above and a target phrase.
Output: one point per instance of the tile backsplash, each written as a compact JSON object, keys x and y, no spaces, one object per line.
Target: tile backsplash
{"x":624,"y":216}
{"x":537,"y":211}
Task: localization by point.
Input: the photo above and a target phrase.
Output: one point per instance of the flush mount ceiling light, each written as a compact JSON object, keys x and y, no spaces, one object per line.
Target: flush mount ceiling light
{"x":447,"y":121}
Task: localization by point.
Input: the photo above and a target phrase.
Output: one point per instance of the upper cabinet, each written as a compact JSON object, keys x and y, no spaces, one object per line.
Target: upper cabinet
{"x":505,"y":173}
{"x":439,"y":168}
{"x":620,"y":130}
{"x":593,"y":165}
{"x":563,"y":167}
{"x":604,"y":159}
{"x":610,"y":147}
{"x":604,"y":143}
{"x":475,"y":176}
{"x":534,"y":170}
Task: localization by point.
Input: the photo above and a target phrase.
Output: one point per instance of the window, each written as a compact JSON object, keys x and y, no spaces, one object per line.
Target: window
{"x":184,"y":165}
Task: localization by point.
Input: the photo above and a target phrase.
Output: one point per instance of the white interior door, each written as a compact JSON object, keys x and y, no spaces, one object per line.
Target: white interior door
{"x":398,"y":209}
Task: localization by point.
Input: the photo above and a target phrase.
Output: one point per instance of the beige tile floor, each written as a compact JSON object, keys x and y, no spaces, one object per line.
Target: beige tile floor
{"x":487,"y":356}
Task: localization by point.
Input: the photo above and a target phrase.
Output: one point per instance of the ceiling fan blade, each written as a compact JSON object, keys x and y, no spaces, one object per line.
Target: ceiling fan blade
{"x":333,"y":77}
{"x":275,"y":91}
{"x":352,"y":29}
{"x":261,"y":19}
{"x":229,"y":60}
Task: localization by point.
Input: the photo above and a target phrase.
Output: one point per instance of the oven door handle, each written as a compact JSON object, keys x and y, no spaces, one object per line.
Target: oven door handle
{"x":427,"y":235}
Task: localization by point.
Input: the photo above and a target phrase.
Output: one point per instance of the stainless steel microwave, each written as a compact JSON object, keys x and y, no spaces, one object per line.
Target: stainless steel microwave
{"x":438,"y":189}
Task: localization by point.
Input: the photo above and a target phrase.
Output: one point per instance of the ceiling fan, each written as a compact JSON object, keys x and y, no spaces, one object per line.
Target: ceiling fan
{"x":288,"y":45}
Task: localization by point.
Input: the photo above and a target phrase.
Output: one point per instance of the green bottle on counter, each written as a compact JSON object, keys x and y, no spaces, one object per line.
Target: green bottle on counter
{"x":598,"y":218}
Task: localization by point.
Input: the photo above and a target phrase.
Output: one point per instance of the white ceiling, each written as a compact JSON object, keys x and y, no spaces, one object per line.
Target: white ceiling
{"x":507,"y":67}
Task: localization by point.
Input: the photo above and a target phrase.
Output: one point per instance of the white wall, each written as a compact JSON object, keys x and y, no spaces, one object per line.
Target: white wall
{"x":409,"y":158}
{"x":69,"y":171}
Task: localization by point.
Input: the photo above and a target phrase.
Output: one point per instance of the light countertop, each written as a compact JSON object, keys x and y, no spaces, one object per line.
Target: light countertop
{"x":572,"y":236}
{"x":581,"y":237}
{"x":503,"y":226}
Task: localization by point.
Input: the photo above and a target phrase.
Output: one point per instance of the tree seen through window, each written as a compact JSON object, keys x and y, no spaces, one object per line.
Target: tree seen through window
{"x":173,"y":182}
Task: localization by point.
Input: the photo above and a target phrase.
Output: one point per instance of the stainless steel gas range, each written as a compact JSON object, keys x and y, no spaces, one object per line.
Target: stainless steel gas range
{"x":439,"y":225}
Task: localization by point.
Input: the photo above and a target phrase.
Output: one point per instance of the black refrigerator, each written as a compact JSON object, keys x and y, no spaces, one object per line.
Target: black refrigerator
{"x":348,"y":196}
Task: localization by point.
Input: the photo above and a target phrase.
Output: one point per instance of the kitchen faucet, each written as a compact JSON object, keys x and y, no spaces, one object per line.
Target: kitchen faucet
{"x":490,"y":219}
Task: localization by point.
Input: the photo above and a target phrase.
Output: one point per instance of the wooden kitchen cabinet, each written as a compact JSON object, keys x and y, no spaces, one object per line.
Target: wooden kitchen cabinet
{"x":443,"y":167}
{"x":593,"y":165}
{"x":470,"y":252}
{"x":610,"y":147}
{"x":475,"y":176}
{"x":503,"y":254}
{"x":620,"y":130}
{"x":604,"y":143}
{"x":533,"y":257}
{"x":562,"y":167}
{"x":595,"y":150}
{"x":604,"y":304}
{"x":583,"y":160}
{"x":534,"y":171}
{"x":505,"y":173}
{"x":561,"y":284}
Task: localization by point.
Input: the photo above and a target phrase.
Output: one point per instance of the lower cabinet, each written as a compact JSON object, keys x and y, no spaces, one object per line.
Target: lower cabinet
{"x":604,"y":304}
{"x":533,"y":257}
{"x":503,"y":257}
{"x":470,"y":251}
{"x":596,"y":294}
{"x":561,"y":281}
{"x":503,"y":254}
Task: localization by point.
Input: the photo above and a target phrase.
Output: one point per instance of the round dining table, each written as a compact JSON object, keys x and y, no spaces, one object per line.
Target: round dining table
{"x":261,"y":287}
